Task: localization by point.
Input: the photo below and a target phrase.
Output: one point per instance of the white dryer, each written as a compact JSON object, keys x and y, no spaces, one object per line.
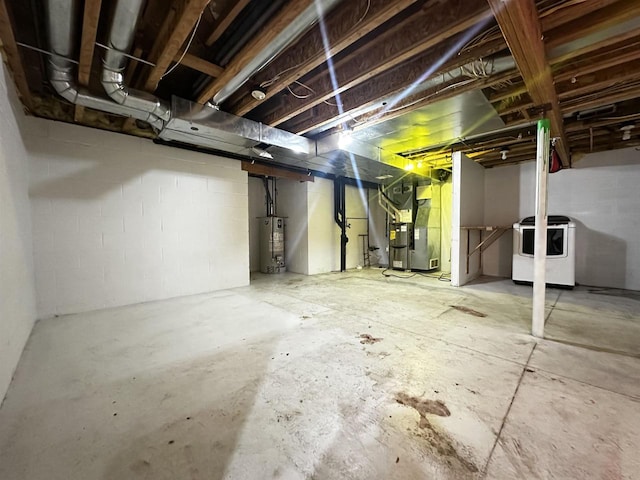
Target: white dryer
{"x":561,"y":247}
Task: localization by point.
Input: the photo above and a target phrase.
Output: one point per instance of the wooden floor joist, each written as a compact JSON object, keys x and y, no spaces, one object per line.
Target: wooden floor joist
{"x":13,"y":55}
{"x":520,"y":25}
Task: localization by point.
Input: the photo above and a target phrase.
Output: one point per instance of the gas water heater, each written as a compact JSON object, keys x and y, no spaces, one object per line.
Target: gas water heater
{"x":272,"y":230}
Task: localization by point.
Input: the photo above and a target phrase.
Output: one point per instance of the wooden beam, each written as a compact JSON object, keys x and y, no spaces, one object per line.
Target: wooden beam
{"x":273,"y":28}
{"x":90,"y":21}
{"x":513,"y":91}
{"x":344,"y":26}
{"x":419,"y":34}
{"x":393,"y":83}
{"x":272,"y":171}
{"x":556,"y":58}
{"x":592,"y":64}
{"x":199,"y":64}
{"x":598,"y":81}
{"x":567,"y":11}
{"x":13,"y":56}
{"x":619,"y":12}
{"x":596,"y":100}
{"x":130,"y":72}
{"x":172,"y":38}
{"x":78,"y":114}
{"x":447,"y":90}
{"x":518,"y":20}
{"x":229,"y":17}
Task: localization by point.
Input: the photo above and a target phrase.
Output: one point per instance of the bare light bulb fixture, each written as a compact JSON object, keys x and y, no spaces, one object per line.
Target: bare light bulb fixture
{"x":504,"y":151}
{"x":258,"y":93}
{"x":626,"y":131}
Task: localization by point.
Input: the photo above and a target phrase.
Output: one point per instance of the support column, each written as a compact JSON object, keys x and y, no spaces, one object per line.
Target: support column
{"x":540,"y":250}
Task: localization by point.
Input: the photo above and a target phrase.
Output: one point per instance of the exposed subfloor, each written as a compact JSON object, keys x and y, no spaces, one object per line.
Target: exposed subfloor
{"x":338,"y":376}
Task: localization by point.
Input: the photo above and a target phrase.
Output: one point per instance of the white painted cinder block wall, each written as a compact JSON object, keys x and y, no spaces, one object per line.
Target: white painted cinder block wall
{"x":292,"y":204}
{"x":17,"y":294}
{"x":119,"y":220}
{"x":324,"y":233}
{"x":257,"y":208}
{"x":600,"y":193}
{"x":467,"y":210}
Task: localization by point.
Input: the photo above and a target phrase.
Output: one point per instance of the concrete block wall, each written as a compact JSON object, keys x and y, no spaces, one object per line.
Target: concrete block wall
{"x":468,"y":210}
{"x":292,"y":204}
{"x":324,"y":233}
{"x":357,"y":206}
{"x":17,"y":293}
{"x":600,"y":193}
{"x":257,"y":208}
{"x":119,"y":220}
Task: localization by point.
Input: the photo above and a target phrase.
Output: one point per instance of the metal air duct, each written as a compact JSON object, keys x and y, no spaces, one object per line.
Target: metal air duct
{"x":296,"y":28}
{"x":60,"y":21}
{"x":121,"y":35}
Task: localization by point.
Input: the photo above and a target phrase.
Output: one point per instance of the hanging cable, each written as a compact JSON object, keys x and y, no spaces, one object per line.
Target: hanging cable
{"x":193,"y":34}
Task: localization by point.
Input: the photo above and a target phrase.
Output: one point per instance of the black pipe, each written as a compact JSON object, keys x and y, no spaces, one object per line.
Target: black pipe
{"x":269,"y":199}
{"x":340,"y":216}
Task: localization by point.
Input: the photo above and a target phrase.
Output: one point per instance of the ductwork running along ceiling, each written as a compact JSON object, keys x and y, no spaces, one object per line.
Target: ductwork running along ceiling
{"x":366,"y":89}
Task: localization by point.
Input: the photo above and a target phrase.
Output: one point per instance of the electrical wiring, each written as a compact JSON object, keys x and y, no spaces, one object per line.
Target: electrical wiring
{"x":186,"y":49}
{"x":301,"y":97}
{"x":443,"y":277}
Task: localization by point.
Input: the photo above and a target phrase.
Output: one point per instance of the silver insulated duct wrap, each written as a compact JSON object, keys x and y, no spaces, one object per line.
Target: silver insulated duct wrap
{"x":121,"y":35}
{"x":60,"y":21}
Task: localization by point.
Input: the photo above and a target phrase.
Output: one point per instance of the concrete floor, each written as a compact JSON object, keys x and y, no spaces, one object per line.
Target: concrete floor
{"x":339,"y":376}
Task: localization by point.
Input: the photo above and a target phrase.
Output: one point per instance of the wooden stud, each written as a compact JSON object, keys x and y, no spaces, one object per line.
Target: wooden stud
{"x":593,"y":66}
{"x":565,"y":13}
{"x":173,"y":35}
{"x":392,"y":49}
{"x":78,"y":113}
{"x":619,"y":12}
{"x":13,"y":56}
{"x":130,"y":71}
{"x":272,"y":171}
{"x":394,"y":82}
{"x":273,"y":28}
{"x":226,"y":21}
{"x":419,"y":34}
{"x":197,"y":63}
{"x":623,"y":38}
{"x":521,"y":28}
{"x":600,"y":80}
{"x":90,"y":21}
{"x":344,"y":26}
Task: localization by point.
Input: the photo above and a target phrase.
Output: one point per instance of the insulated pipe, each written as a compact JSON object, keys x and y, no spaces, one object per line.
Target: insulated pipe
{"x":296,"y":28}
{"x":60,"y":21}
{"x":121,"y":35}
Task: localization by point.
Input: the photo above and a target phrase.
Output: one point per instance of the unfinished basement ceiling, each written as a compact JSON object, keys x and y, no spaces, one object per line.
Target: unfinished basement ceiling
{"x":414,"y":78}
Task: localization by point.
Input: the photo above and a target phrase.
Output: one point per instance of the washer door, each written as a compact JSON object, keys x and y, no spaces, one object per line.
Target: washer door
{"x":556,"y":240}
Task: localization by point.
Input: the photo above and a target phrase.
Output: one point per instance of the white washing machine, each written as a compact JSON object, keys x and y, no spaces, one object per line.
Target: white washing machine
{"x":561,"y":251}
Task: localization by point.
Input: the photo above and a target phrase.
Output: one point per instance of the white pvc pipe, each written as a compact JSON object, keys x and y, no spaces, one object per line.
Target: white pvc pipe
{"x":540,"y":250}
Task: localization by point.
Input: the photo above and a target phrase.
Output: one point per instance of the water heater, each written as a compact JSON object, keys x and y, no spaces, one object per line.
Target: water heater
{"x":272,"y":245}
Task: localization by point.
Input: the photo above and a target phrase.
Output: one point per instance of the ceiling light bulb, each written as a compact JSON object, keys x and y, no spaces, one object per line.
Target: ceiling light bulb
{"x":409,"y":166}
{"x":503,"y":153}
{"x":258,"y":93}
{"x":626,"y":131}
